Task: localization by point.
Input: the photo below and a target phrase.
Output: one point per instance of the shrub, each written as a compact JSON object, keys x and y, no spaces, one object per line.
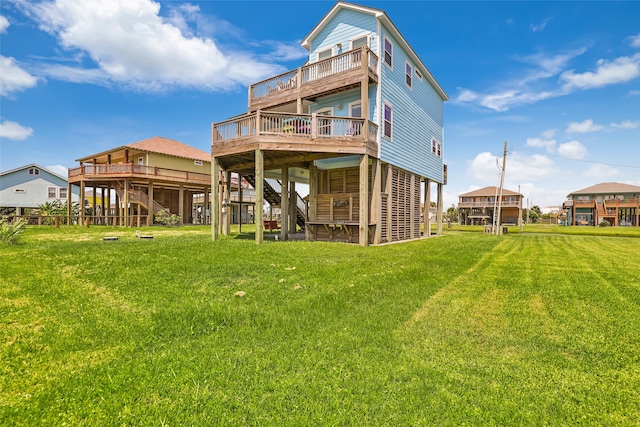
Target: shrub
{"x":10,"y":231}
{"x":604,"y":223}
{"x":166,"y":218}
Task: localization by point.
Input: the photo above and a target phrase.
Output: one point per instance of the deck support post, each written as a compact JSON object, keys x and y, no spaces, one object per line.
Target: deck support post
{"x":150,"y":210}
{"x":313,"y":189}
{"x":284,"y":204}
{"x":439,"y":218}
{"x":240,"y":194}
{"x":181,"y":203}
{"x":259,"y":170}
{"x":81,"y":204}
{"x":363,"y":231}
{"x":226,"y":204}
{"x":376,"y":200}
{"x":69,"y":203}
{"x":215,"y":206}
{"x":293,"y":207}
{"x":426,"y":214}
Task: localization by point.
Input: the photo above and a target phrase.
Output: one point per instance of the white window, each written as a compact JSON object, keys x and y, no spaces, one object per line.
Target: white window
{"x":359,"y":42}
{"x":63,"y":193}
{"x":418,"y":74}
{"x":436,"y":147}
{"x":408,"y":74}
{"x":52,"y":192}
{"x":141,"y":161}
{"x":34,"y":171}
{"x":325,"y":54}
{"x":197,"y":162}
{"x":20,"y":191}
{"x":355,"y":110}
{"x":388,"y":121}
{"x":388,"y":52}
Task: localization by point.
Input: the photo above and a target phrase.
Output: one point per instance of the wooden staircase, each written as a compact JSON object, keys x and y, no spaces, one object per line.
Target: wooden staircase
{"x":272,"y":194}
{"x":140,"y":197}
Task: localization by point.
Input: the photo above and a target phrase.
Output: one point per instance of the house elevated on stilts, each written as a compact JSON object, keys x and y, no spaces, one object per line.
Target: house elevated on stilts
{"x":360,"y":124}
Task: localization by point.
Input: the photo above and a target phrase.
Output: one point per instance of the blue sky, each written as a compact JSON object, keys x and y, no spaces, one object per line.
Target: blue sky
{"x":559,"y":81}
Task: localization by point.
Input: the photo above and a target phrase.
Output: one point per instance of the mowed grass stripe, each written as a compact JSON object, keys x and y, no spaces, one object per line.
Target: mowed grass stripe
{"x":536,"y":336}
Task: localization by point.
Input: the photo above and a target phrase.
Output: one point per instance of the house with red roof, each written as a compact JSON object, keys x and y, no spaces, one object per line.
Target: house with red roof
{"x":616,"y":203}
{"x":132,"y":183}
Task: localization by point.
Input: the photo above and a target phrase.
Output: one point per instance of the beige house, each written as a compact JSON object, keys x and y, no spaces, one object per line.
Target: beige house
{"x":614,"y":202}
{"x":481,"y":206}
{"x":130,"y":184}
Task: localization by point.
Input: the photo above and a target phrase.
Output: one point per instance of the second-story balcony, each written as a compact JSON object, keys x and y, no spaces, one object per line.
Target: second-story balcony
{"x":110,"y":172}
{"x":335,"y":74}
{"x":489,"y":204}
{"x":284,"y":132}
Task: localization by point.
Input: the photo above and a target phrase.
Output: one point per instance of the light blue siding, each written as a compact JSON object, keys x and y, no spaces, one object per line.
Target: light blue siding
{"x":418,"y":112}
{"x":346,"y":26}
{"x":417,"y":117}
{"x":33,"y":188}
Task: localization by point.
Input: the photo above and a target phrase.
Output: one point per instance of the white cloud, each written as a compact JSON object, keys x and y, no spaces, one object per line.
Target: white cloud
{"x":547,"y":144}
{"x":627,"y":124}
{"x":484,"y":167}
{"x":4,"y":24}
{"x":539,"y":27}
{"x":600,"y":172}
{"x":132,"y":45}
{"x":635,"y":40}
{"x":548,"y":134}
{"x":573,"y":150}
{"x":619,"y":70}
{"x":13,"y":78}
{"x":59,"y":169}
{"x":526,"y":89}
{"x":585,"y":126}
{"x":634,"y":92}
{"x":14,"y":131}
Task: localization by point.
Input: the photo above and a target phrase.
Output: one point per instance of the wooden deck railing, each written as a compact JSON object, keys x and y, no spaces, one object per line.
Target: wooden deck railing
{"x":491,"y":204}
{"x":324,"y":69}
{"x":131,"y":170}
{"x":283,"y":124}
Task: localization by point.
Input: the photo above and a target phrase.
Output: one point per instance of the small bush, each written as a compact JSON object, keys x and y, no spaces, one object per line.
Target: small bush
{"x":166,"y":218}
{"x":10,"y":231}
{"x":604,"y":223}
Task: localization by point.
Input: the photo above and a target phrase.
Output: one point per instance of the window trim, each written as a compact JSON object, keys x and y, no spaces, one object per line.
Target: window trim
{"x":329,"y":49}
{"x":384,"y":121}
{"x":408,"y":74}
{"x":418,"y":73}
{"x":436,"y":148}
{"x":62,"y":190}
{"x":384,"y":52}
{"x":50,"y":191}
{"x":362,"y":36}
{"x":34,"y":171}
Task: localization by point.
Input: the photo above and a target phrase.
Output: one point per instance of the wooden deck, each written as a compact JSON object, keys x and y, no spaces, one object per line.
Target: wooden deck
{"x":292,"y":135}
{"x":111,"y":172}
{"x":321,"y":78}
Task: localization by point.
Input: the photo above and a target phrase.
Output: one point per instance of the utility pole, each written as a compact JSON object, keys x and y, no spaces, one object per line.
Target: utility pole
{"x":504,"y":164}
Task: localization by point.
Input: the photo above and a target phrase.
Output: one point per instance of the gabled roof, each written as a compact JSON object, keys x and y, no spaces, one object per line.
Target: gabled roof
{"x":609,"y":188}
{"x":489,"y":192}
{"x":32,"y":165}
{"x":160,"y":145}
{"x":381,"y":16}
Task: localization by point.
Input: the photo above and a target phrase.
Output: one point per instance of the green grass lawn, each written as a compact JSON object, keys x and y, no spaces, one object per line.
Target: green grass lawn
{"x":463,"y":329}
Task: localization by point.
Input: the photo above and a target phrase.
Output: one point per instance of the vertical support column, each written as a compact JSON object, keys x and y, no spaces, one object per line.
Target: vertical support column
{"x":240,"y":196}
{"x":125,"y":207}
{"x":427,"y":207}
{"x":313,"y":190}
{"x":226,"y":204}
{"x":376,"y":200}
{"x":150,"y":204}
{"x":284,"y":204}
{"x":181,"y":203}
{"x":107,"y":212}
{"x":363,"y":231}
{"x":293,"y":207}
{"x":215,"y":172}
{"x":69,"y":203}
{"x":259,"y":196}
{"x":205,"y":206}
{"x":93,"y":203}
{"x":440,"y":187}
{"x":81,"y":204}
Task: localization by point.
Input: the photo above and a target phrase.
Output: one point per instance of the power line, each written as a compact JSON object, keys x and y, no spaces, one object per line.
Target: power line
{"x":585,"y":161}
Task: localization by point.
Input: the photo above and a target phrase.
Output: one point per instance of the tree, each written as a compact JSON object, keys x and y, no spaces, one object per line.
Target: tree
{"x":452,"y":214}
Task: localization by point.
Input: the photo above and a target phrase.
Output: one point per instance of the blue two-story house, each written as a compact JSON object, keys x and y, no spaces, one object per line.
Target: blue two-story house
{"x":361,"y":123}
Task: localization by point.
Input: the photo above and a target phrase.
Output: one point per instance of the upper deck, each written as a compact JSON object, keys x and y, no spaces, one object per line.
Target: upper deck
{"x":341,"y":72}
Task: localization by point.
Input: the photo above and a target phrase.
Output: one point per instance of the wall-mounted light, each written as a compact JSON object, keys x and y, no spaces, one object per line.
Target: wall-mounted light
{"x":339,"y":45}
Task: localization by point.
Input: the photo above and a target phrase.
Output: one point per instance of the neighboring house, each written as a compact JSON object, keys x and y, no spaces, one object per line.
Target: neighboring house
{"x":30,"y":186}
{"x":361,"y":123}
{"x":616,"y":203}
{"x":134,"y":182}
{"x":480,"y":207}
